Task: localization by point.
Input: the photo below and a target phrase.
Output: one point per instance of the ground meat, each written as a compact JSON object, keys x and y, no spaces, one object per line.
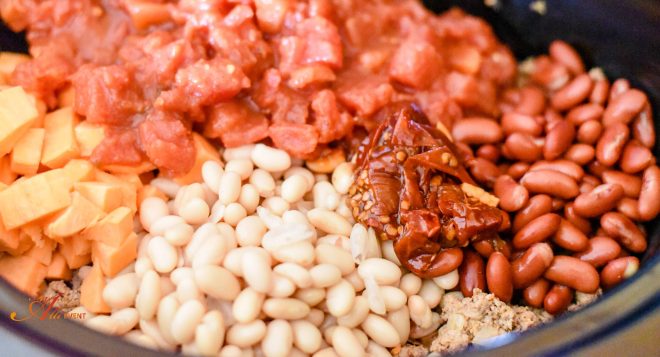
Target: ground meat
{"x":69,"y":295}
{"x":413,"y":351}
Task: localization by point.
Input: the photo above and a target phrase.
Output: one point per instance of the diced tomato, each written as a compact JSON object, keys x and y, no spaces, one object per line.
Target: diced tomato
{"x":322,"y":42}
{"x":365,"y":96}
{"x":236,"y":124}
{"x":298,"y":140}
{"x":119,"y":147}
{"x":330,"y":123}
{"x":167,"y":142}
{"x":415,"y":63}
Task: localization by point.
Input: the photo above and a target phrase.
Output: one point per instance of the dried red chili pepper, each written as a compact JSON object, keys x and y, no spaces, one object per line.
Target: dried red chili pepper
{"x":408,"y":189}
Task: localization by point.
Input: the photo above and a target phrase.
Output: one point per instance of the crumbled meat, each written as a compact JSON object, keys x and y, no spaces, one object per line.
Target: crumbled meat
{"x":583,"y":299}
{"x":413,"y":351}
{"x":69,"y":296}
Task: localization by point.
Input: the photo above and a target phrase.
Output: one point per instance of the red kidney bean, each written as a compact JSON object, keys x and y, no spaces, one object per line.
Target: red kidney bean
{"x":565,"y":54}
{"x":600,"y":250}
{"x":601,"y":92}
{"x":631,"y":185}
{"x":585,"y":112}
{"x":624,"y":108}
{"x":610,"y":145}
{"x":489,"y":152}
{"x":536,"y":206}
{"x":531,"y":265}
{"x":619,"y":87}
{"x":636,"y":157}
{"x":535,"y":293}
{"x":538,"y":230}
{"x":601,"y":199}
{"x":618,"y":270}
{"x":517,"y":170}
{"x":566,"y":167}
{"x":643,"y":129}
{"x":499,"y":277}
{"x":477,"y":130}
{"x":520,"y":123}
{"x":589,"y":132}
{"x":558,"y":299}
{"x":532,"y":101}
{"x":557,"y":204}
{"x":570,"y":237}
{"x":629,"y":207}
{"x":581,"y":223}
{"x":486,"y":247}
{"x":472,"y":273}
{"x":506,"y":222}
{"x":512,"y":195}
{"x":549,"y":74}
{"x":649,"y":195}
{"x":550,"y":182}
{"x":580,"y":154}
{"x":549,"y":116}
{"x":573,"y":93}
{"x":586,"y":187}
{"x":523,"y":147}
{"x":592,"y":180}
{"x":596,"y":168}
{"x":484,"y":171}
{"x":621,"y":228}
{"x":558,"y":139}
{"x":574,"y":273}
{"x":446,"y":261}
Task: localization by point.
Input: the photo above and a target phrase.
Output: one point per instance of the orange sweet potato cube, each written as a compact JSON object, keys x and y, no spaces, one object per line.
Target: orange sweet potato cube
{"x":204,"y":151}
{"x":60,"y":143}
{"x":25,"y":273}
{"x":89,"y":136}
{"x":106,"y":196}
{"x":80,"y":170}
{"x":17,"y":114}
{"x":150,"y":191}
{"x":79,"y":215}
{"x":113,"y":228}
{"x":73,"y":260}
{"x":43,"y":252}
{"x":91,"y":292}
{"x":81,"y":245}
{"x":26,"y":155}
{"x":58,"y":269}
{"x":7,"y":176}
{"x":113,"y":259}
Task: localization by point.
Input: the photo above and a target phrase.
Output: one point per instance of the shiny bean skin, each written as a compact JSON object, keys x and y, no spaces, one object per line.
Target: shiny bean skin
{"x":629,"y":207}
{"x":517,"y":170}
{"x":584,"y":113}
{"x":574,"y":273}
{"x":635,"y":157}
{"x":535,"y":293}
{"x":558,"y":139}
{"x":537,"y":206}
{"x":550,"y":182}
{"x":611,"y":143}
{"x":618,"y":87}
{"x":512,"y":195}
{"x":531,"y":265}
{"x":632,"y":185}
{"x":600,"y":200}
{"x":600,"y":92}
{"x":566,"y":167}
{"x":558,"y":299}
{"x":484,"y":171}
{"x":486,"y":247}
{"x":520,"y":123}
{"x":489,"y":152}
{"x":532,"y":101}
{"x":649,"y":196}
{"x":477,"y":131}
{"x":621,"y":228}
{"x":523,"y":147}
{"x":581,"y":223}
{"x":570,"y":237}
{"x":537,"y":230}
{"x":472,"y":273}
{"x":624,"y":107}
{"x":600,"y":250}
{"x":580,"y":154}
{"x":499,"y":276}
{"x":565,"y":54}
{"x":573,"y":93}
{"x":618,"y":270}
{"x":589,"y":132}
{"x":643,"y":129}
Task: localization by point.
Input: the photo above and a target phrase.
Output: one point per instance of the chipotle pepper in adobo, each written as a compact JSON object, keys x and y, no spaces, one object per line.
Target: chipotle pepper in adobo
{"x":409,"y":189}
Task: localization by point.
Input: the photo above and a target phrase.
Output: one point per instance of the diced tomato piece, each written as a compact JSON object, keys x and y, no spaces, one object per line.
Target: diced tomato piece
{"x":415,"y":63}
{"x":167,"y":142}
{"x":366,"y":96}
{"x":298,"y":140}
{"x":322,"y":41}
{"x":236,"y":124}
{"x":330,"y":123}
{"x":119,"y":147}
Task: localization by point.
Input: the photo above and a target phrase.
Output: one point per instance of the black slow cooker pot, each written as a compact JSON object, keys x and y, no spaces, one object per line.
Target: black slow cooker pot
{"x":623,"y":38}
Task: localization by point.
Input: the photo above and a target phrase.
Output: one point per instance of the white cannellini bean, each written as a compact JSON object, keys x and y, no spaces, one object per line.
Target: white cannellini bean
{"x":179,"y":235}
{"x":336,"y":240}
{"x":186,"y":319}
{"x":342,"y":177}
{"x":340,"y":298}
{"x":346,"y":343}
{"x":120,"y":292}
{"x":211,"y":174}
{"x":188,"y":290}
{"x":210,"y":334}
{"x":166,"y":286}
{"x":152,"y":209}
{"x":228,"y":235}
{"x":287,"y":234}
{"x":418,"y":332}
{"x":217,"y":212}
{"x":241,"y":152}
{"x":278,"y":340}
{"x":329,"y":222}
{"x":355,"y":280}
{"x":243,"y":167}
{"x":394,"y":298}
{"x":373,"y":245}
{"x":246,"y":334}
{"x":387,"y":247}
{"x":296,"y":217}
{"x":104,"y":324}
{"x":263,"y":181}
{"x":187,"y":194}
{"x":234,"y":212}
{"x":298,"y":170}
{"x":277,"y":205}
{"x":151,"y":329}
{"x":326,"y":352}
{"x":316,"y":317}
{"x":358,"y":313}
{"x":195,"y":212}
{"x":282,"y":287}
{"x":285,"y":308}
{"x":149,"y":295}
{"x":138,"y":338}
{"x":180,"y":274}
{"x":325,"y":196}
{"x":163,"y":255}
{"x":212,"y":251}
{"x":447,"y":281}
{"x":217,"y":282}
{"x":233,"y":261}
{"x":165,"y":223}
{"x":199,"y":237}
{"x":361,"y":336}
{"x":420,"y":312}
{"x":306,"y":336}
{"x":358,"y":240}
{"x":270,"y":159}
{"x":325,"y":275}
{"x":400,"y":320}
{"x":311,"y":296}
{"x":301,"y":253}
{"x":234,"y":351}
{"x":166,"y":186}
{"x":250,"y":230}
{"x":376,"y":350}
{"x":336,"y":256}
{"x":247,"y":305}
{"x":374,"y":296}
{"x":126,"y":319}
{"x":381,"y":331}
{"x":270,"y":220}
{"x":142,"y":265}
{"x":167,"y":309}
{"x":382,"y":270}
{"x":256,"y":269}
{"x":249,"y":198}
{"x":296,"y":273}
{"x":230,"y":188}
{"x":431,"y":293}
{"x":294,"y":188}
{"x":410,"y":284}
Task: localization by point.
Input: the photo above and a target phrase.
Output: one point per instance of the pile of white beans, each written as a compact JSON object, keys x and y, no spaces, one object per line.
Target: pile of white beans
{"x":264,"y":258}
